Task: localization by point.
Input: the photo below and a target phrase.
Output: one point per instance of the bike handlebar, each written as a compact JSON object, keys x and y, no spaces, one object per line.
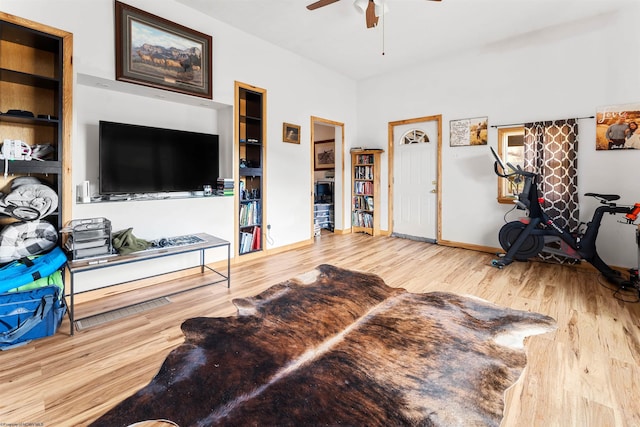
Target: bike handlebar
{"x":517,"y":170}
{"x":633,"y":215}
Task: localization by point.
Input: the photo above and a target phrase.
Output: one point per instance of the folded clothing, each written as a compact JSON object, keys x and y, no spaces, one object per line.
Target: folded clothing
{"x":29,"y":200}
{"x":125,"y":242}
{"x":23,"y":239}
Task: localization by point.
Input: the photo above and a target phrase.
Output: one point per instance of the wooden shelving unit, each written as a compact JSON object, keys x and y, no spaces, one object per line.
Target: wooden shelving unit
{"x":36,"y":77}
{"x":250,"y":134}
{"x":365,"y":194}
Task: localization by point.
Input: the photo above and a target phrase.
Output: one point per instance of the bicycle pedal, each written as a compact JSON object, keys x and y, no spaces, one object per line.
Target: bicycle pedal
{"x":497,"y":263}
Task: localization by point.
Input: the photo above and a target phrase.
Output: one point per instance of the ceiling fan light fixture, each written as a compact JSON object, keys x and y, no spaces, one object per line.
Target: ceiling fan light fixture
{"x":381,"y":7}
{"x":361,"y":5}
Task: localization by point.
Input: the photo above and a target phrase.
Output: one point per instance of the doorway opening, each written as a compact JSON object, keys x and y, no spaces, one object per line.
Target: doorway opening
{"x":327,"y":165}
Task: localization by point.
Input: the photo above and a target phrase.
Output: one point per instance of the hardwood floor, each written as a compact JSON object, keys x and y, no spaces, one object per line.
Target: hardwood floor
{"x":584,"y":374}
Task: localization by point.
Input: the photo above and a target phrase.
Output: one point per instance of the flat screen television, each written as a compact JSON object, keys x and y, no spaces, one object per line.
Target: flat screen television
{"x":324,"y":193}
{"x":141,"y":159}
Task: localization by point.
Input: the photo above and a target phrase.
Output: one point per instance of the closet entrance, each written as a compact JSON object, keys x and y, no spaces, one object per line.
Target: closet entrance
{"x":327,"y":165}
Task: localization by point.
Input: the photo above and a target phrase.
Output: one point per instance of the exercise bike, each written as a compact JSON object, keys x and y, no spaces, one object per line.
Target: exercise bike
{"x":538,"y":233}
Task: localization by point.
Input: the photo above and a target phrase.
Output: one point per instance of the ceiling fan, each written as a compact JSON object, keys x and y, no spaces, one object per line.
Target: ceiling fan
{"x":372,"y":8}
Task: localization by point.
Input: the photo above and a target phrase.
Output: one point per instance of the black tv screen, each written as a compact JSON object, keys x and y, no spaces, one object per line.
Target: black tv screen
{"x":143,"y":159}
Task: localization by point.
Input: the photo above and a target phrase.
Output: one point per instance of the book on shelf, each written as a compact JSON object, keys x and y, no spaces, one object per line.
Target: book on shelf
{"x":364,"y":159}
{"x":363,"y":172}
{"x":362,"y":219}
{"x":250,"y":213}
{"x":225,"y":186}
{"x":251,"y":240}
{"x":245,"y":242}
{"x":257,"y":241}
{"x":363,"y":187}
{"x":361,"y":202}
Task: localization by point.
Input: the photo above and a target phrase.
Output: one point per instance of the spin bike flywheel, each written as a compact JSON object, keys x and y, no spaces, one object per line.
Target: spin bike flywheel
{"x":531,"y":246}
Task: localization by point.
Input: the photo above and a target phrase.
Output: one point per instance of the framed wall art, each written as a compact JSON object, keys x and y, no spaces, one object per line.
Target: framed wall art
{"x":617,"y":127}
{"x":155,"y":52}
{"x":466,"y":132}
{"x":291,"y":133}
{"x":325,"y":155}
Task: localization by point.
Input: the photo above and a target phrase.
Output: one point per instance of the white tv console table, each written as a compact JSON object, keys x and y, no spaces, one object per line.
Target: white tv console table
{"x":208,"y":242}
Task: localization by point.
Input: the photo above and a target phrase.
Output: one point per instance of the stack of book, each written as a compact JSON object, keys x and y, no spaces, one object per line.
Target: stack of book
{"x":250,"y":240}
{"x":362,"y":219}
{"x":249,"y":214}
{"x":363,"y":203}
{"x":363,"y":187}
{"x":225,"y":187}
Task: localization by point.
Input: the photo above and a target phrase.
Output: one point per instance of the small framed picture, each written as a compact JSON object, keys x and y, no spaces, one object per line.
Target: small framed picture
{"x":291,"y":133}
{"x":467,"y":132}
{"x":325,"y":155}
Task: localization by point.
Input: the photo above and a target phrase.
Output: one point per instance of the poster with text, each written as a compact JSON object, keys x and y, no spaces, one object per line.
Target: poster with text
{"x":617,"y":127}
{"x":466,"y":132}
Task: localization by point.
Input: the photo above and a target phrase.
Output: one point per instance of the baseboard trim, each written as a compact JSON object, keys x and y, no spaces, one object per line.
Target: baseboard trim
{"x":582,"y":265}
{"x":386,"y":233}
{"x":470,"y":246}
{"x":345,"y":231}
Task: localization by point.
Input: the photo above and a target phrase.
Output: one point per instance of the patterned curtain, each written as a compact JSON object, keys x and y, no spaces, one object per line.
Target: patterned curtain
{"x":550,"y":150}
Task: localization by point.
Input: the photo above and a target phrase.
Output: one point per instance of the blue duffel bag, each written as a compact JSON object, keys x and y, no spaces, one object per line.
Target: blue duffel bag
{"x":26,"y":270}
{"x":30,"y":314}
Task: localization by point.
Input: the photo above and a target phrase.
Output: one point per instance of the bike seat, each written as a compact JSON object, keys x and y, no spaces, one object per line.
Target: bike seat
{"x":607,"y":197}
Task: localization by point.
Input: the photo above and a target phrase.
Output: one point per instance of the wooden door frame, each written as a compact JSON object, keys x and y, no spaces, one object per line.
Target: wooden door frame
{"x":313,"y":121}
{"x":391,"y":128}
{"x":236,"y":162}
{"x":66,"y":120}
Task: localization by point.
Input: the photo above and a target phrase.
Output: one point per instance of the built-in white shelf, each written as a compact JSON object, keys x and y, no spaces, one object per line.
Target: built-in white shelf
{"x":150,"y":92}
{"x":145,"y":197}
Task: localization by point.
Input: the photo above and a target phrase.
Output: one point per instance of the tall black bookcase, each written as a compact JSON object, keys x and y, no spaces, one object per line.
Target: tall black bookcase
{"x":251,"y":144}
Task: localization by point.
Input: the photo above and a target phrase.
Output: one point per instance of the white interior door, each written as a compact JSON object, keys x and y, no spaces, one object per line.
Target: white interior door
{"x":415,"y":197}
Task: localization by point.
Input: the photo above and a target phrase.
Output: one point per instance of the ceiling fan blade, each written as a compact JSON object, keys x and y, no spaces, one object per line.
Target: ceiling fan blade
{"x":372,"y":19}
{"x":321,"y":3}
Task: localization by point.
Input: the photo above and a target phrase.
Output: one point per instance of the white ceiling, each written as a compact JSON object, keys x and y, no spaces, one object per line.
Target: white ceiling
{"x":412,"y":32}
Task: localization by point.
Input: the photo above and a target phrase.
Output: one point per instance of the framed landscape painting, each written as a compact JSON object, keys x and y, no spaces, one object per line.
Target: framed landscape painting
{"x":155,"y":52}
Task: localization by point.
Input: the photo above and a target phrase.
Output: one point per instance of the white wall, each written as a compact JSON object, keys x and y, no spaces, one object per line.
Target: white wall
{"x":555,"y":74}
{"x":296,"y":89}
{"x":591,"y":62}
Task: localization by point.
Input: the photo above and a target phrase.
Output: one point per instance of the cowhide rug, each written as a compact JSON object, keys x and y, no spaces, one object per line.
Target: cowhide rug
{"x":337,"y":347}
